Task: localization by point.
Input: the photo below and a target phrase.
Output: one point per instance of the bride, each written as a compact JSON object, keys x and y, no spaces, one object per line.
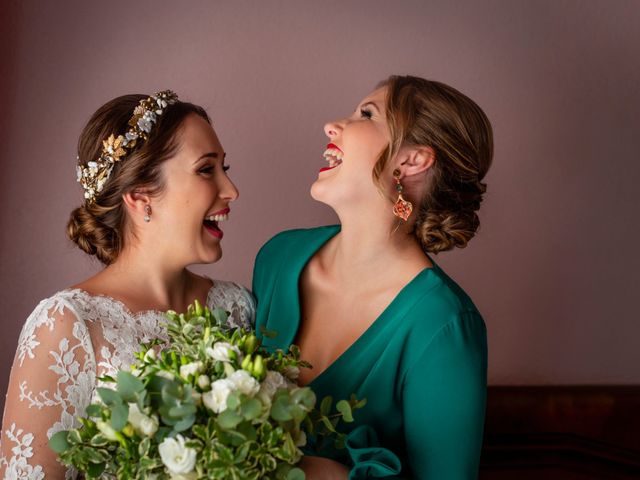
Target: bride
{"x":156,"y":189}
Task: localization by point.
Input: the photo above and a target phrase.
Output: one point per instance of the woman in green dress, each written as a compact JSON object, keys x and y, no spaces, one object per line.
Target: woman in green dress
{"x":366,"y":303}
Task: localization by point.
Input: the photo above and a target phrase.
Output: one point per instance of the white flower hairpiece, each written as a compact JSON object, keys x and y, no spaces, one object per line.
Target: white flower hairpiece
{"x":95,"y":174}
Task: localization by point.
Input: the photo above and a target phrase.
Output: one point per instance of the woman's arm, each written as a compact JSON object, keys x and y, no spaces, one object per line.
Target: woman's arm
{"x":444,"y":402}
{"x":53,"y":375}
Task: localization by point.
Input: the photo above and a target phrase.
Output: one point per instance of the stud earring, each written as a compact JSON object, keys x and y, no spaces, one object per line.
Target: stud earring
{"x":402,"y":208}
{"x":147,"y":212}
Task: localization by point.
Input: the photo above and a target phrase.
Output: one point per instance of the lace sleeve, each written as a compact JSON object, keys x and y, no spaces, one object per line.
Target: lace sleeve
{"x":237,"y":300}
{"x":52,"y":380}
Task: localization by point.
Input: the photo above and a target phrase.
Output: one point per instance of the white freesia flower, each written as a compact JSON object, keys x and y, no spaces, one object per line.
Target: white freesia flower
{"x":176,"y":456}
{"x":244,"y":382}
{"x":165,"y":374}
{"x":221,"y":352}
{"x":149,"y":426}
{"x":191,"y":369}
{"x":150,"y":356}
{"x":216,"y":398}
{"x":142,"y":423}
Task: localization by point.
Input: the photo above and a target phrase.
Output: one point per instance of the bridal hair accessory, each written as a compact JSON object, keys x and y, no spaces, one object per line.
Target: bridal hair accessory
{"x":95,"y":174}
{"x":402,"y":207}
{"x":147,"y":213}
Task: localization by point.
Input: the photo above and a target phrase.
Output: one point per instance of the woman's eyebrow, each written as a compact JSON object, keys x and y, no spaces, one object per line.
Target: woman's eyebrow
{"x":373,"y":104}
{"x":210,"y":155}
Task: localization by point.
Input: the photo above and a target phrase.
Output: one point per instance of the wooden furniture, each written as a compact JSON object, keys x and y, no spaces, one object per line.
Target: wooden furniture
{"x":562,"y":432}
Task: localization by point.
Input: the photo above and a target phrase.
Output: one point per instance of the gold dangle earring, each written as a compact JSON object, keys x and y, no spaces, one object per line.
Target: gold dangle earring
{"x":402,"y":207}
{"x":147,"y":213}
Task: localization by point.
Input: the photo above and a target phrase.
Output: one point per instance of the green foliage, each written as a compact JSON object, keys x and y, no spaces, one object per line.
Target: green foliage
{"x":255,"y":437}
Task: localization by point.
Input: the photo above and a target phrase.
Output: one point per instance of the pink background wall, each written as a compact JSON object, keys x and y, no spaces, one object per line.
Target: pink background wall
{"x":554,"y":269}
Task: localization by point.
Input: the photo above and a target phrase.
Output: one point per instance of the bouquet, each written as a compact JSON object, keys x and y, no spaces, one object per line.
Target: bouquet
{"x":213,"y":405}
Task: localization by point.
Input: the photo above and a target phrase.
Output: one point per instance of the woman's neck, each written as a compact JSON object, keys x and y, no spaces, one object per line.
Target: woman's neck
{"x":144,"y":281}
{"x":368,"y":247}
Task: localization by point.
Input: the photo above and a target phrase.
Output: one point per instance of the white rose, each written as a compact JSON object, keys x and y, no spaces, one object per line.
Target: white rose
{"x":176,"y":456}
{"x":216,"y":398}
{"x":204,"y":381}
{"x":191,"y":369}
{"x":221,"y":352}
{"x":244,"y":382}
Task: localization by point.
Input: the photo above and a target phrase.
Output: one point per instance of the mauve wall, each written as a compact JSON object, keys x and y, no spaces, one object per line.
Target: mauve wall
{"x":554,"y":269}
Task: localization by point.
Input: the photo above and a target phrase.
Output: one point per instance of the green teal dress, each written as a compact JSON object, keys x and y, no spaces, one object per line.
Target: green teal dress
{"x":421,"y":365}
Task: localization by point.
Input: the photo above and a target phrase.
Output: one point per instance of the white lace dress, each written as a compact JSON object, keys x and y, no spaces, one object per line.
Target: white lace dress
{"x":68,"y":341}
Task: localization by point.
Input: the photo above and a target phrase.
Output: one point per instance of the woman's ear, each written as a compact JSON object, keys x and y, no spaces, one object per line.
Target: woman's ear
{"x":136,"y":202}
{"x":416,"y":160}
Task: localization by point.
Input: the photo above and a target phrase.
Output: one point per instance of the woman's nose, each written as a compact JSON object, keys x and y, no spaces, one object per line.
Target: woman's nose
{"x":333,"y":129}
{"x":229,"y":191}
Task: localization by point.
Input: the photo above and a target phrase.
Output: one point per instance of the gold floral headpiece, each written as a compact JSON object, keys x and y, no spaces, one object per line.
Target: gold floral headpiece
{"x":95,"y":174}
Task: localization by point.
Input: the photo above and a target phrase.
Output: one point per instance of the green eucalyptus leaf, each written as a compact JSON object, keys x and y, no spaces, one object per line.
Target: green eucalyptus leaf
{"x":182,"y":411}
{"x":295,"y":474}
{"x":94,"y":410}
{"x":345,"y":409}
{"x":108,"y":396}
{"x":233,"y":400}
{"x":129,"y":386}
{"x":184,"y":423}
{"x":119,"y":414}
{"x":280,"y":409}
{"x":59,"y":443}
{"x":220,"y":316}
{"x":251,"y":408}
{"x":229,"y":419}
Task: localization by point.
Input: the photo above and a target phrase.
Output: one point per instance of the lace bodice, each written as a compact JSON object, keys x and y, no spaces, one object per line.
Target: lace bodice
{"x":68,"y":341}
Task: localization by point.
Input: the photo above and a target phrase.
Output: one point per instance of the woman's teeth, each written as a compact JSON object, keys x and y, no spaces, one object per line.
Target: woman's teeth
{"x":217,"y":218}
{"x":333,"y":156}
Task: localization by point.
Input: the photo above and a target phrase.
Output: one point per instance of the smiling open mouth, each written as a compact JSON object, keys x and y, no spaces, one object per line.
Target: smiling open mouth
{"x":211,"y":222}
{"x":333,"y":155}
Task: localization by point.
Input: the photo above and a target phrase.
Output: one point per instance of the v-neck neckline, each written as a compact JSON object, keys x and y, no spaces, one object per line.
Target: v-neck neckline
{"x":376,"y":325}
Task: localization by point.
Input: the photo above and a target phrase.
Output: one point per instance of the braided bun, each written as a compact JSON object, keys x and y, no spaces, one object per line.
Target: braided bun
{"x":92,"y":235}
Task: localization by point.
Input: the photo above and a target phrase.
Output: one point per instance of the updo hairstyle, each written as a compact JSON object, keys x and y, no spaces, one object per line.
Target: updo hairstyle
{"x":429,"y":113}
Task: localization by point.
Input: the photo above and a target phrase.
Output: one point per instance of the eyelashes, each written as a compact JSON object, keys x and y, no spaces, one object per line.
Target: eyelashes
{"x":364,"y":113}
{"x":208,"y":169}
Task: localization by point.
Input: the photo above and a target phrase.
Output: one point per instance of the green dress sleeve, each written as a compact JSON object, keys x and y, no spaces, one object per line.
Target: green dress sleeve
{"x":444,"y":398}
{"x":444,"y":395}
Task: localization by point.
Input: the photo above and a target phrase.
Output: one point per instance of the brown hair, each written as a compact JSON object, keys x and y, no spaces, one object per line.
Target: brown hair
{"x":428,"y":113}
{"x":99,"y":228}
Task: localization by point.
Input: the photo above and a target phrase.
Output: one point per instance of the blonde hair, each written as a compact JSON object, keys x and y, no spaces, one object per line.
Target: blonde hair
{"x":429,"y":113}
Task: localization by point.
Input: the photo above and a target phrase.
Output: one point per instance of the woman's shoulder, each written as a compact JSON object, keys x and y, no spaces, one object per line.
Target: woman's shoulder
{"x":440,"y":303}
{"x":236,"y":299}
{"x":283,"y":244}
